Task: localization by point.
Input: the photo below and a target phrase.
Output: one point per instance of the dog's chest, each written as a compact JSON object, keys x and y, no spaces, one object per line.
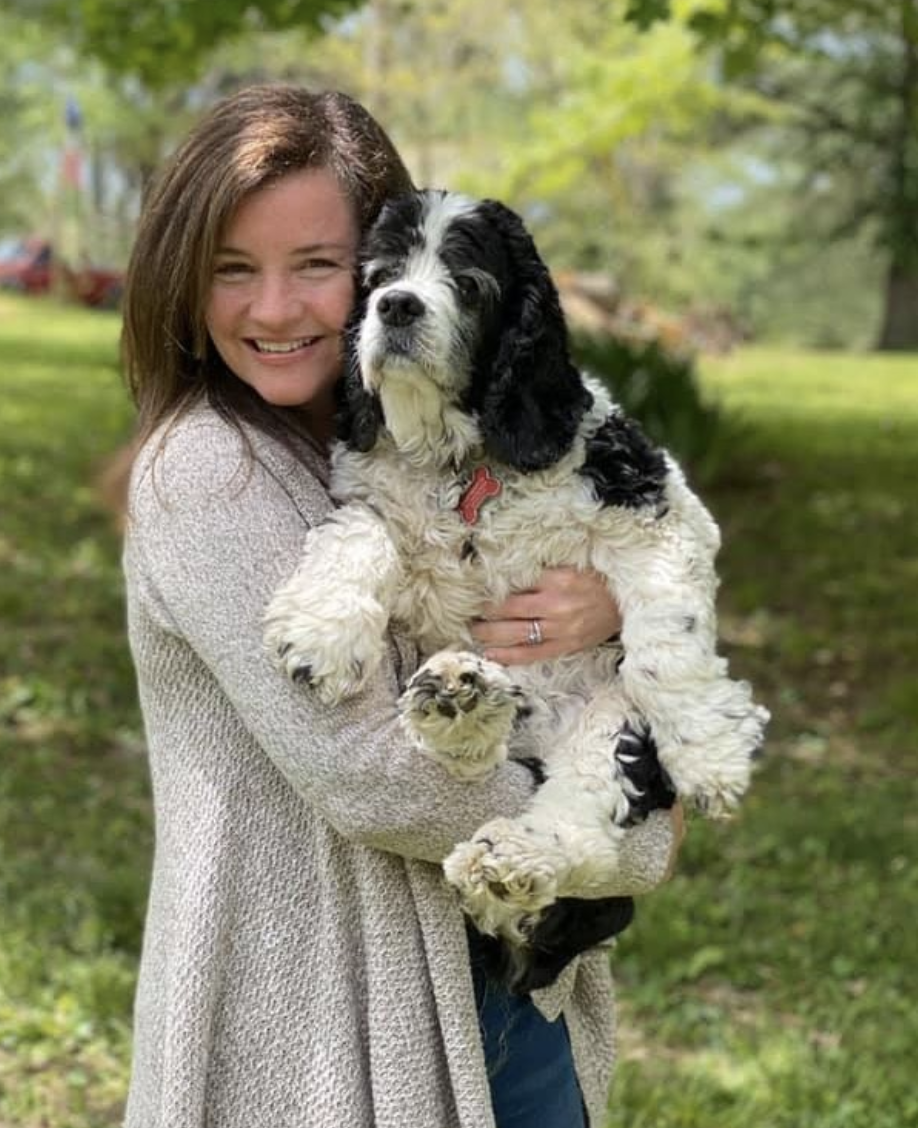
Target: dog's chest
{"x":466,"y":537}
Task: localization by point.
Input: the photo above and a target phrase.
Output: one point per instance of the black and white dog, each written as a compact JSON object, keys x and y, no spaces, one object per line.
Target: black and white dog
{"x":472,"y":455}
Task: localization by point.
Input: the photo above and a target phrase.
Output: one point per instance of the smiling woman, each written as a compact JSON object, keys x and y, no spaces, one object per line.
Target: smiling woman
{"x":304,"y":961}
{"x":207,"y":231}
{"x":282,"y":291}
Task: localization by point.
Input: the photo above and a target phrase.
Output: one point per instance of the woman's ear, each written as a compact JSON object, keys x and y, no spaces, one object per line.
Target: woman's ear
{"x":533,"y":398}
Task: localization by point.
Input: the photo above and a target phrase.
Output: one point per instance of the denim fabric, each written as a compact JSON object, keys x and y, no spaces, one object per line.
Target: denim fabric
{"x":529,"y":1060}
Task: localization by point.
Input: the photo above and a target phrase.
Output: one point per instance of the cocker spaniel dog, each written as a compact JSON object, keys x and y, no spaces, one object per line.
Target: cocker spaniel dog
{"x":473,"y":454}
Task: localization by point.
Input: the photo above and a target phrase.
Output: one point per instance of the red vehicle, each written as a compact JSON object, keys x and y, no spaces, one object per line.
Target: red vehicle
{"x":25,"y":265}
{"x":30,"y":266}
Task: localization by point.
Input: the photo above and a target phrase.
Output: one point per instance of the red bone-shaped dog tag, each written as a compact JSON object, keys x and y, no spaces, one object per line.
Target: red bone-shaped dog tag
{"x":482,"y":486}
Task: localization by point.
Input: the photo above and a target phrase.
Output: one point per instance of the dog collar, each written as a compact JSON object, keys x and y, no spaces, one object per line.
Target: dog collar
{"x":482,"y":486}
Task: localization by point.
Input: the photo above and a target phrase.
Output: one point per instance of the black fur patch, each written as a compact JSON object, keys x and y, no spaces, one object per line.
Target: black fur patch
{"x":535,"y":766}
{"x":358,"y":413}
{"x":526,"y":392}
{"x":625,"y":468}
{"x":469,"y":550}
{"x":395,"y":232}
{"x":564,"y":930}
{"x":638,"y":760}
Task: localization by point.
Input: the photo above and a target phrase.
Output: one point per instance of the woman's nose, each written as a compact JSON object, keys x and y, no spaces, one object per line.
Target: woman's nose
{"x":274,"y":300}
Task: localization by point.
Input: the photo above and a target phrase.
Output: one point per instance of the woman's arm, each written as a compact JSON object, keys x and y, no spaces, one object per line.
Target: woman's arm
{"x":210,"y":538}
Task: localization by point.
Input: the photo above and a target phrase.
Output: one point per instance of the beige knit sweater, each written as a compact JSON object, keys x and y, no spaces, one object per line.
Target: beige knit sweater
{"x":304,"y":964}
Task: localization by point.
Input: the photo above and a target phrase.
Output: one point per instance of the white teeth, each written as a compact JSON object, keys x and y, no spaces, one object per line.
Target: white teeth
{"x":282,"y":346}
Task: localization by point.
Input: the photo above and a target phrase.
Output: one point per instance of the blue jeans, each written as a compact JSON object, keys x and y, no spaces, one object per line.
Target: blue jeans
{"x":529,"y":1059}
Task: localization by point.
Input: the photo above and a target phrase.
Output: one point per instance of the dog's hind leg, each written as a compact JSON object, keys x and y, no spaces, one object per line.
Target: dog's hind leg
{"x":567,"y":843}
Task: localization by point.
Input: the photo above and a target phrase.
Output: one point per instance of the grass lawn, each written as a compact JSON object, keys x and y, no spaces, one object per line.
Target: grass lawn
{"x":770,"y":984}
{"x":74,"y":825}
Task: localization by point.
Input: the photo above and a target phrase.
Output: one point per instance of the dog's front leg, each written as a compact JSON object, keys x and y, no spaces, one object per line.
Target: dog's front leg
{"x":460,"y":709}
{"x":326,"y":625}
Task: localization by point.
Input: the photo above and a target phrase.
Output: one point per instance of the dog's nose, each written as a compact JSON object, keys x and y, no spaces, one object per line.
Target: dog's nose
{"x":399,"y":307}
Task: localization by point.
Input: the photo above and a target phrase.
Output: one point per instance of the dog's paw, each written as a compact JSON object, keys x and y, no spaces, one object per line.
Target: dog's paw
{"x":460,"y":709}
{"x":506,"y":875}
{"x":710,"y":760}
{"x":330,"y":652}
{"x":713,"y":777}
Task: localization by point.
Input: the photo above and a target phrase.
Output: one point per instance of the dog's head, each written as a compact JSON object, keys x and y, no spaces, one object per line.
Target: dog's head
{"x":456,"y":301}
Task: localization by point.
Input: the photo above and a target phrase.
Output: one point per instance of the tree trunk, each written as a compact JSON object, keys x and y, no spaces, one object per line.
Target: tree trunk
{"x":900,"y":318}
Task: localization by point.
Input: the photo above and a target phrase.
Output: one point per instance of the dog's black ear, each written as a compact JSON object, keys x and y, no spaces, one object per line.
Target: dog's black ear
{"x":531,"y":401}
{"x":358,"y":414}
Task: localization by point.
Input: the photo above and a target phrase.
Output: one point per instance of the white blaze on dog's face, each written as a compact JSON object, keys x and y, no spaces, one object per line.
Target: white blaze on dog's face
{"x":426,"y":265}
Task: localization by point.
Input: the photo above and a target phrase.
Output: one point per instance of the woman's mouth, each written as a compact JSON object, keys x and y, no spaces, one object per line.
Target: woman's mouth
{"x":279,"y":348}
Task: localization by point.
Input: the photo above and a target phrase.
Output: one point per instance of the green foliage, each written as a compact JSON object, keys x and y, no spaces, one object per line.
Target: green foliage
{"x":718,"y":156}
{"x":30,"y":121}
{"x":840,"y":139}
{"x":659,"y":388}
{"x":645,"y":13}
{"x":850,"y":79}
{"x":165,"y":42}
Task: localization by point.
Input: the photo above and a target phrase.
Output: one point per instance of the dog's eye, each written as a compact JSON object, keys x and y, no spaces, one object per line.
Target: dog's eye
{"x":468,"y":288}
{"x":379,"y":275}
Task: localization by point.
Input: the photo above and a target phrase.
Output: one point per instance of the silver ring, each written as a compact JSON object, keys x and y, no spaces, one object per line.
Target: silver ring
{"x":534,"y":637}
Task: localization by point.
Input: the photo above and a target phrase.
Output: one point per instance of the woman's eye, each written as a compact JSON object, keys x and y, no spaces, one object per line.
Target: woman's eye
{"x":232,"y":269}
{"x":319,"y":265}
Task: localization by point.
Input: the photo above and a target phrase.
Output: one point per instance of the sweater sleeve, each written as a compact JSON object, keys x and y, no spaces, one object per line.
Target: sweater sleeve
{"x":212,"y":533}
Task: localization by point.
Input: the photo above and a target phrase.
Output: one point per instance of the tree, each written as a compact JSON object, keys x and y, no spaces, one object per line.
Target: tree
{"x":164,"y":42}
{"x":30,"y":117}
{"x":848,"y":74}
{"x":141,"y":74}
{"x":566,"y":111}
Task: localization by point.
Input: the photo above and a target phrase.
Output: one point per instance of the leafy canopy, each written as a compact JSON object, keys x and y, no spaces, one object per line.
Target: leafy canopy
{"x":162,"y":42}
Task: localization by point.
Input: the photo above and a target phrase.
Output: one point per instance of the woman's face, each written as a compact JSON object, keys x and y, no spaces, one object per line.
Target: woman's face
{"x":282,"y":290}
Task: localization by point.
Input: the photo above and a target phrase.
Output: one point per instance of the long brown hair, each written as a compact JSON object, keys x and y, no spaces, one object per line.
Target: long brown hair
{"x":246,"y":141}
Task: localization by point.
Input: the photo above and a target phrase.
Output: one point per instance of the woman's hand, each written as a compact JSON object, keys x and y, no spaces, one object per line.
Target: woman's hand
{"x":566,"y":612}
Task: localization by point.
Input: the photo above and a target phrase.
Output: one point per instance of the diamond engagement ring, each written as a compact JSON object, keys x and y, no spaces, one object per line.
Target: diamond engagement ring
{"x":535,"y":633}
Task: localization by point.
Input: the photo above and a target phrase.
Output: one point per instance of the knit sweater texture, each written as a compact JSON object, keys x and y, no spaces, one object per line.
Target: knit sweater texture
{"x":304,"y":963}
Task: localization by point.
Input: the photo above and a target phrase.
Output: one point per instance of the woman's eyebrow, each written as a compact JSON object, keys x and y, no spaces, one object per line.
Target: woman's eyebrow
{"x":307,"y":248}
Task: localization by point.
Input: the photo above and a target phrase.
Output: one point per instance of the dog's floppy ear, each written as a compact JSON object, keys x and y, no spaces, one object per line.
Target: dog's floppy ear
{"x":358,"y":414}
{"x":531,"y":401}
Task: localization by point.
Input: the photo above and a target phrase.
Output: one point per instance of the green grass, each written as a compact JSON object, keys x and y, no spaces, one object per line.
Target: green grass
{"x":74,"y":821}
{"x":771,"y":983}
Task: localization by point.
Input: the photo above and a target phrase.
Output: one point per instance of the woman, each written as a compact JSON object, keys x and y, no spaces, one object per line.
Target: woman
{"x":304,"y":963}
